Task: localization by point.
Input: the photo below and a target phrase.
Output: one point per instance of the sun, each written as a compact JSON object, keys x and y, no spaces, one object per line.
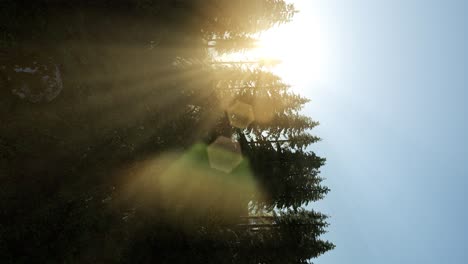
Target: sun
{"x":302,"y":47}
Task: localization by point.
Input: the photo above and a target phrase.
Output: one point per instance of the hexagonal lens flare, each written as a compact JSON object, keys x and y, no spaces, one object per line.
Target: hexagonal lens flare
{"x":224,"y":154}
{"x":240,"y":114}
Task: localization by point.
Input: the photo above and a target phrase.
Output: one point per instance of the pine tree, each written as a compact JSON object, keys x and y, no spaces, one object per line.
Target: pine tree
{"x":160,"y":92}
{"x":290,"y":236}
{"x":236,"y":18}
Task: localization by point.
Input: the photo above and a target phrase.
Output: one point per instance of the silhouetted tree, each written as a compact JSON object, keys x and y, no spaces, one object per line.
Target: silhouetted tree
{"x":139,"y":81}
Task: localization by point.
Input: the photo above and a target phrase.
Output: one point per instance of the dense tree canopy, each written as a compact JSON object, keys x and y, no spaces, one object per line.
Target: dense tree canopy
{"x":116,"y":119}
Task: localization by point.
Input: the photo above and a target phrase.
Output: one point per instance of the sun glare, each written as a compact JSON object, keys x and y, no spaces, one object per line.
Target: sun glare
{"x":301,"y":45}
{"x":302,"y":48}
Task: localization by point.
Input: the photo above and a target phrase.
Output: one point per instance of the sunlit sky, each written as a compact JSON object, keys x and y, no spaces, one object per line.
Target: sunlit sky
{"x":388,"y":84}
{"x":303,"y":46}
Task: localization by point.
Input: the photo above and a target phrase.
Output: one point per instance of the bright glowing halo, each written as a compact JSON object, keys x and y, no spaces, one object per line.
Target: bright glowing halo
{"x":301,"y":46}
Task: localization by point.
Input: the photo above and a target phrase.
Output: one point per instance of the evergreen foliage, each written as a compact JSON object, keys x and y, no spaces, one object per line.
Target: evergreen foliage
{"x":115,"y":168}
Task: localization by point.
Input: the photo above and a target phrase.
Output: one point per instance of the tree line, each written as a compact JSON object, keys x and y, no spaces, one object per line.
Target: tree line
{"x":154,"y":150}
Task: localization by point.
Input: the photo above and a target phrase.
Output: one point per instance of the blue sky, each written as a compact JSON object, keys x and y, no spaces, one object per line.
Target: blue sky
{"x":394,"y":126}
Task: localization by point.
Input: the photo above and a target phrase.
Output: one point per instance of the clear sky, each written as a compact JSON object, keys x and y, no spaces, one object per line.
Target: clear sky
{"x":394,"y":125}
